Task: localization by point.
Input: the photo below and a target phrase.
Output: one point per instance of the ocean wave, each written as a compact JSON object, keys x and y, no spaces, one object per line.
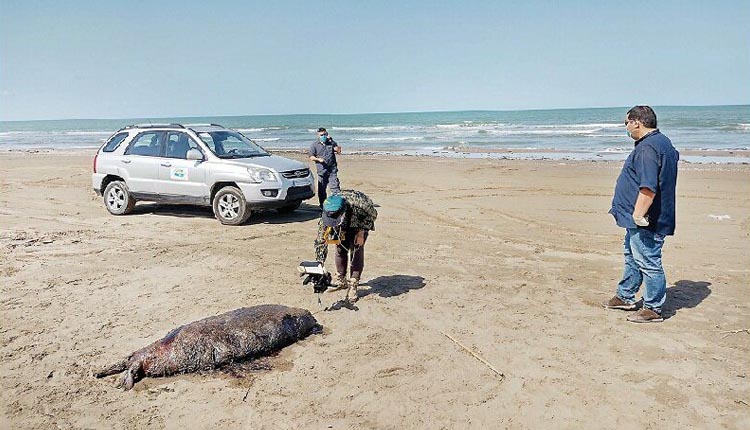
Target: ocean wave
{"x":743,"y":126}
{"x":503,"y":126}
{"x":55,"y":133}
{"x":386,"y":139}
{"x":575,"y":126}
{"x":259,"y":129}
{"x":548,"y":132}
{"x":374,"y":128}
{"x":739,"y":148}
{"x":18,"y":133}
{"x":86,"y":133}
{"x":266,"y":139}
{"x":78,"y":147}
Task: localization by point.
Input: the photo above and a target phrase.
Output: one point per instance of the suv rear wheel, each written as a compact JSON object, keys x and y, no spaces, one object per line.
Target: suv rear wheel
{"x":230,"y":207}
{"x":117,"y":198}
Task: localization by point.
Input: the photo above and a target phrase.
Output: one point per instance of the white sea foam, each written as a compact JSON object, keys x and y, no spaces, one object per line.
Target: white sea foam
{"x":87,"y":133}
{"x":377,"y":128}
{"x":55,"y":133}
{"x":259,"y":129}
{"x":386,"y":139}
{"x":540,"y":132}
{"x":739,"y":148}
{"x":17,"y":133}
{"x":594,"y":125}
{"x":743,"y":126}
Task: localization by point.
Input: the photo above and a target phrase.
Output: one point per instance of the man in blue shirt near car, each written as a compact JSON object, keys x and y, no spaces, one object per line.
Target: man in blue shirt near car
{"x":323,"y":152}
{"x":644,"y":205}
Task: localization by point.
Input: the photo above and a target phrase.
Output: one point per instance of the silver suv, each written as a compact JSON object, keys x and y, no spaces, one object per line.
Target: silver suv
{"x":206,"y":165}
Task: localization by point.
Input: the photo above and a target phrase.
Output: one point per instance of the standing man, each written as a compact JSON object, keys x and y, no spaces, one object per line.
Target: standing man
{"x":323,"y":153}
{"x":346,"y":222}
{"x":644,"y":205}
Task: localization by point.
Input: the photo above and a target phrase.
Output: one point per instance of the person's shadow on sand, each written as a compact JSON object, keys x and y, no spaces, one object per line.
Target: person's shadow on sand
{"x":384,"y":286}
{"x":685,"y":294}
{"x":393,"y":285}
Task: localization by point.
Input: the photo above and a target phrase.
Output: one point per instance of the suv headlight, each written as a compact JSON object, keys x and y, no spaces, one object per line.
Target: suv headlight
{"x":260,"y":174}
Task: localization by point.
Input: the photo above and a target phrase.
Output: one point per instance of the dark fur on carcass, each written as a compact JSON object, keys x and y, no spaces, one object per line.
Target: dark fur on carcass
{"x":212,"y":342}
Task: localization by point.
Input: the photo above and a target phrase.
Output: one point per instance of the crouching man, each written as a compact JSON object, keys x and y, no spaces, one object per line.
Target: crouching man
{"x":346,"y":221}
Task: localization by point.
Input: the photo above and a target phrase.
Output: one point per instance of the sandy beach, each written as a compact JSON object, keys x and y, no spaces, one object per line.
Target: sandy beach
{"x":508,"y":258}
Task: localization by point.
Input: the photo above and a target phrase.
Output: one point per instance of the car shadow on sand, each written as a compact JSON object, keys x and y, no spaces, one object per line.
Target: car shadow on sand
{"x":384,"y":286}
{"x":685,"y":294}
{"x":174,"y":210}
{"x":305,"y":212}
{"x":271,"y":216}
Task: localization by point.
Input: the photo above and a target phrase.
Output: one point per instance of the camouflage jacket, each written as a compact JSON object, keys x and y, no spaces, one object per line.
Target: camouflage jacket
{"x":361,"y":216}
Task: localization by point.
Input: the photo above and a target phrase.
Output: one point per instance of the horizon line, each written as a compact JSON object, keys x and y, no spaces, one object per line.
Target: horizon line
{"x":356,"y":113}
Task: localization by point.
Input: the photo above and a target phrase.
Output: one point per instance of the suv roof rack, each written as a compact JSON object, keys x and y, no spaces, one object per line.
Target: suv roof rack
{"x":151,"y":125}
{"x":204,"y":125}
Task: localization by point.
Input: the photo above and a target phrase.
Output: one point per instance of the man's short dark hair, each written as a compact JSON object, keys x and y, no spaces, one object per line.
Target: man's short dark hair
{"x":644,"y":114}
{"x":321,"y":129}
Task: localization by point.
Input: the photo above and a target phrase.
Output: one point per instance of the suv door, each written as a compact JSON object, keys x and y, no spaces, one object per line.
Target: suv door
{"x":179,"y":176}
{"x":141,"y":161}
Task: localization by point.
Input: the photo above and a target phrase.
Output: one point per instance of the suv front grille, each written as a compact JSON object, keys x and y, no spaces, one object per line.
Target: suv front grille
{"x":292,"y":174}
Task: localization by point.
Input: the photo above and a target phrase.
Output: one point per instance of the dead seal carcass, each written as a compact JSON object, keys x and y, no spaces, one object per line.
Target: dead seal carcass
{"x":214,"y":341}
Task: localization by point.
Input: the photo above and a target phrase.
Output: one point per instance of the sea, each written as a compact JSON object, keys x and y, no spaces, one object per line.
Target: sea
{"x":586,"y":134}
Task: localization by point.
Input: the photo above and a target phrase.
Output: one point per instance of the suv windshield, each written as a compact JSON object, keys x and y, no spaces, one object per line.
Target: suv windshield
{"x":230,"y":144}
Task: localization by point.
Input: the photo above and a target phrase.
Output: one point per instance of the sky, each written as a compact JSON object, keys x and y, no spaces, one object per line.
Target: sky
{"x":135,"y":59}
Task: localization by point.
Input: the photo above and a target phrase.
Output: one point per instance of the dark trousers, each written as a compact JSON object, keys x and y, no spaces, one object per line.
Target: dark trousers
{"x":346,"y":250}
{"x":325,"y":180}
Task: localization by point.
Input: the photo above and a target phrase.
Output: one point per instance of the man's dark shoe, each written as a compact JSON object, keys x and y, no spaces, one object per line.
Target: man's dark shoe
{"x":645,"y":315}
{"x":617,"y":303}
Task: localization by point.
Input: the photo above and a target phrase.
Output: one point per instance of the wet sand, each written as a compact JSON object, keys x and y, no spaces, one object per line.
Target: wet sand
{"x":508,"y":258}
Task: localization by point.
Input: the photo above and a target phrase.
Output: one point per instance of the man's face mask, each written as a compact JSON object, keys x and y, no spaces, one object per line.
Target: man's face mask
{"x":323,"y":138}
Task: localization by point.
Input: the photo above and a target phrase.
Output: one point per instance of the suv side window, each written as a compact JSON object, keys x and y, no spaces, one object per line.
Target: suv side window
{"x":178,"y":145}
{"x":114,"y":142}
{"x":148,"y":144}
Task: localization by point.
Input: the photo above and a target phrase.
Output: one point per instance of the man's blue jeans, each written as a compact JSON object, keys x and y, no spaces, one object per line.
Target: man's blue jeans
{"x":643,"y":265}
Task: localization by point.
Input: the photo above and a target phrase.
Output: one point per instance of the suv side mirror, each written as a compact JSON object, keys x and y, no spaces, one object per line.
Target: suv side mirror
{"x":194,"y":154}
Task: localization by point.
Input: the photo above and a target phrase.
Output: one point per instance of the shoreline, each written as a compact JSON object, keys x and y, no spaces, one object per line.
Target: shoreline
{"x":700,"y":156}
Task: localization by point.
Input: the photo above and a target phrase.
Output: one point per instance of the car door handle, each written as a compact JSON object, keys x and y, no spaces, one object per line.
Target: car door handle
{"x":166,"y":164}
{"x":126,"y":161}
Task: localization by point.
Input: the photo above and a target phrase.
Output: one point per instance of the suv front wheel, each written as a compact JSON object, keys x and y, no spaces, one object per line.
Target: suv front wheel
{"x":230,"y":207}
{"x":117,"y":198}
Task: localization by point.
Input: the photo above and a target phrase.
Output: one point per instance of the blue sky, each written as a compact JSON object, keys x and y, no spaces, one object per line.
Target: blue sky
{"x":113,"y":59}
